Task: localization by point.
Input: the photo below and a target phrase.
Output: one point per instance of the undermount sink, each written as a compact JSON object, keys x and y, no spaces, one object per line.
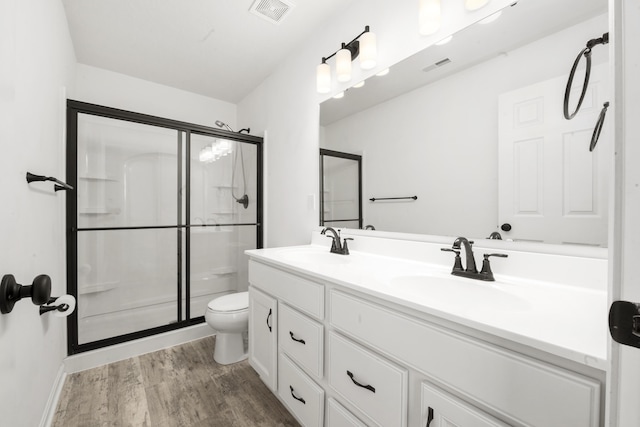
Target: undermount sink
{"x":316,"y":256}
{"x":460,"y":292}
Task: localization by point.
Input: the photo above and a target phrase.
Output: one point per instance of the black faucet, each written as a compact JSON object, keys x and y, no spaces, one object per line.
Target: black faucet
{"x":470,"y":271}
{"x":336,"y":246}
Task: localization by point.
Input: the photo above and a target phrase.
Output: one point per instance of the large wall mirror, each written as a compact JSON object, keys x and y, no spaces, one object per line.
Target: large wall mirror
{"x":474,"y":128}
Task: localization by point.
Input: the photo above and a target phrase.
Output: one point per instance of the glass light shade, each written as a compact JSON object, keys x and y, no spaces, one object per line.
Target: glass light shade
{"x":323,"y":78}
{"x":343,"y":65}
{"x":475,"y":4}
{"x":430,"y":16}
{"x":368,"y":51}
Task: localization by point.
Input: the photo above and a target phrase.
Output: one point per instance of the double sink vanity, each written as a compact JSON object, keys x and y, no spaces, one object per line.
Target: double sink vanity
{"x":387,"y":336}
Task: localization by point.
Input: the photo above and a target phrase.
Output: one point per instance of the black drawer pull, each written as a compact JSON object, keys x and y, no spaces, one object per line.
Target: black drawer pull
{"x":269,"y":317}
{"x":299,"y":399}
{"x":368,"y":387}
{"x":296,"y":339}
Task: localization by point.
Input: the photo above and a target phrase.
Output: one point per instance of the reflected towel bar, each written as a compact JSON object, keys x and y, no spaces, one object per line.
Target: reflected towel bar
{"x":57,"y":187}
{"x":373,"y":199}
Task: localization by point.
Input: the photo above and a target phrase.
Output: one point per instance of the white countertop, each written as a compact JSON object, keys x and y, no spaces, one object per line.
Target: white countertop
{"x":567,"y":321}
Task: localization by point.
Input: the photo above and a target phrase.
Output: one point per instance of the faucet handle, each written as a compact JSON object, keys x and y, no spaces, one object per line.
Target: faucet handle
{"x":457,"y":262}
{"x":345,"y":248}
{"x":486,"y":267}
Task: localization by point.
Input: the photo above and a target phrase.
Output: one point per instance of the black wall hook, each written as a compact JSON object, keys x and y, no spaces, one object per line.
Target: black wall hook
{"x":57,"y":187}
{"x":11,"y":292}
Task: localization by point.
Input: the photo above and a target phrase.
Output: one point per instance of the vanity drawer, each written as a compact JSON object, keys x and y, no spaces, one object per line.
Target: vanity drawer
{"x":528,"y":391}
{"x":339,"y":416}
{"x":299,"y":292}
{"x":301,"y":338}
{"x":375,"y":386}
{"x":303,"y":397}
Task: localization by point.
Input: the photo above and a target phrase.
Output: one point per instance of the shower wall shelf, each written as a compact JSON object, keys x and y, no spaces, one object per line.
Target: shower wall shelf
{"x":98,"y":210}
{"x":95,"y":288}
{"x":97,"y":178}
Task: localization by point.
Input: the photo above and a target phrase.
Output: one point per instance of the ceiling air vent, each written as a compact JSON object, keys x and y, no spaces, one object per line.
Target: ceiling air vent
{"x":440,"y":63}
{"x":273,"y":11}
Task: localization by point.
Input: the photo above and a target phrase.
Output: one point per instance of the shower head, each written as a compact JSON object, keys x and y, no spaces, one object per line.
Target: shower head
{"x":221,"y":124}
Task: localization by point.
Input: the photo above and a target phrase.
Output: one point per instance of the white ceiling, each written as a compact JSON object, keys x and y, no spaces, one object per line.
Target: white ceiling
{"x":215,"y":48}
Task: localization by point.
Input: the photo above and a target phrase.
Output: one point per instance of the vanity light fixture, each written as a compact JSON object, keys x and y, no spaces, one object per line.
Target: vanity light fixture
{"x":363,"y":45}
{"x":359,"y":84}
{"x":383,"y":72}
{"x":430,"y":16}
{"x":338,"y":95}
{"x":475,"y":4}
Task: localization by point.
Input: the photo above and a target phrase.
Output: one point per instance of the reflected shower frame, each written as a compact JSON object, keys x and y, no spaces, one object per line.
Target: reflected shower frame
{"x":339,"y":154}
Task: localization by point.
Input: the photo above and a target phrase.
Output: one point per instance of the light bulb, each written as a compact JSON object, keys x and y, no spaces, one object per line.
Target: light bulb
{"x":343,"y":65}
{"x":429,"y":16}
{"x":368,"y":51}
{"x":323,"y":78}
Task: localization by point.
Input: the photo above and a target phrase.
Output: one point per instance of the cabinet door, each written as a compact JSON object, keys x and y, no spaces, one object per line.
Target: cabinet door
{"x":440,"y":409}
{"x":263,"y":333}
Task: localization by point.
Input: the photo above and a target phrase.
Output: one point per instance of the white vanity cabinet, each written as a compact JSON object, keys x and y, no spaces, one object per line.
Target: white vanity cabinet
{"x":355,"y":359}
{"x":440,"y":409}
{"x":263,"y":321}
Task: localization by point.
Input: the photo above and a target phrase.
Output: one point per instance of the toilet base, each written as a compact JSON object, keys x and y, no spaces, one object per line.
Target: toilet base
{"x":229,"y":348}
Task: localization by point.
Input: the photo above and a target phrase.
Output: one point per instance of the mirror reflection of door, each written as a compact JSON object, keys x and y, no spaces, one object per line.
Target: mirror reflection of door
{"x":340,"y":189}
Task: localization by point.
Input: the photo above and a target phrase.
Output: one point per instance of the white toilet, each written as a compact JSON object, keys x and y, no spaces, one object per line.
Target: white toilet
{"x":229,"y":316}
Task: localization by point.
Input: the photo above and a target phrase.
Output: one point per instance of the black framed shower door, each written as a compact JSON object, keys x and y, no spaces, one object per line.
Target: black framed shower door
{"x":158,"y":222}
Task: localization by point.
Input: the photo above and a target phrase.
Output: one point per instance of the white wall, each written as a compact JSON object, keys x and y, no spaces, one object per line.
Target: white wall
{"x":286,"y":103}
{"x":36,"y":63}
{"x":441,"y":140}
{"x":103,"y":87}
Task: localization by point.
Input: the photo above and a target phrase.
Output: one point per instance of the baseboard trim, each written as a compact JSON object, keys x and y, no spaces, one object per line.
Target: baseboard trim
{"x":115,"y":353}
{"x":52,"y":403}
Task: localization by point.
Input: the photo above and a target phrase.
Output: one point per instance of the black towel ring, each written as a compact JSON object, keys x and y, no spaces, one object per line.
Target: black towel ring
{"x":598,"y":128}
{"x":586,"y":52}
{"x":567,"y":93}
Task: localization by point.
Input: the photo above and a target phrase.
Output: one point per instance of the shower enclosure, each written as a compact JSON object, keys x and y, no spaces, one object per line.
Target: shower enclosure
{"x":158,"y":225}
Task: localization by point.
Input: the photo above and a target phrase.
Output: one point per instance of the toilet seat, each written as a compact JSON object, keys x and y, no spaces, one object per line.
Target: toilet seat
{"x":231,"y":303}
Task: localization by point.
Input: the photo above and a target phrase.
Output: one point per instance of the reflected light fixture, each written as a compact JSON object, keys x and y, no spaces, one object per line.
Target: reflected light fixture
{"x":475,"y":4}
{"x":363,"y":45}
{"x":430,"y":16}
{"x":359,"y":84}
{"x":338,"y":95}
{"x":383,"y":72}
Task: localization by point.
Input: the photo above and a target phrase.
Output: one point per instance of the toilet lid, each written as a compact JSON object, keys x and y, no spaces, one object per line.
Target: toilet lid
{"x":231,"y":302}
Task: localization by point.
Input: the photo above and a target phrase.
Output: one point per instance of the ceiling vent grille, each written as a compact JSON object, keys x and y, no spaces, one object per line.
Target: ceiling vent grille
{"x":438,"y":64}
{"x":273,"y":11}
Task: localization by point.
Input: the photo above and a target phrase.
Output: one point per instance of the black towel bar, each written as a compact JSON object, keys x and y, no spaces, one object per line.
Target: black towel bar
{"x":373,"y":199}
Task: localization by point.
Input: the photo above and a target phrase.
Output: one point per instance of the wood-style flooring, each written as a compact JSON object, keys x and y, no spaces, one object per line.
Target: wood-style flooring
{"x":179,"y":386}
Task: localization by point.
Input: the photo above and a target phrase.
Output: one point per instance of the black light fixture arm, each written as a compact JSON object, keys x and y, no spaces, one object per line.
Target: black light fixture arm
{"x":353,"y":46}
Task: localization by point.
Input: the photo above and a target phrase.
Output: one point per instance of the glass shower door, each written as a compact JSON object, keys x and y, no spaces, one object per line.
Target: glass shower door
{"x":128,"y":227}
{"x":223,"y":217}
